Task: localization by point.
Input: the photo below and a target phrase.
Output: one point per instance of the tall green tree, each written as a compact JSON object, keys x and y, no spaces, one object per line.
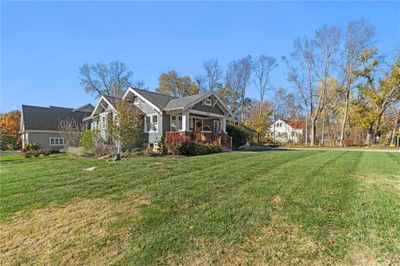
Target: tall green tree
{"x":376,"y":94}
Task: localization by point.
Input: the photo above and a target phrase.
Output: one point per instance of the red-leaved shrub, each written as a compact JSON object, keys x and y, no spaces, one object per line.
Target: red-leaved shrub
{"x":174,"y":142}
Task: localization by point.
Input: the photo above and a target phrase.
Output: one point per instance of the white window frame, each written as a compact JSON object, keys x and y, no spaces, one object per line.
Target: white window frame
{"x":194,"y":124}
{"x":208,"y":102}
{"x":57,"y":141}
{"x":153,"y":125}
{"x":103,"y":121}
{"x":136,"y":100}
{"x":178,"y":123}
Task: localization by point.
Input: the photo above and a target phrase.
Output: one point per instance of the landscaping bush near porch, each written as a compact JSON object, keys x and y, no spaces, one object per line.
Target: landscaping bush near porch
{"x":182,"y":145}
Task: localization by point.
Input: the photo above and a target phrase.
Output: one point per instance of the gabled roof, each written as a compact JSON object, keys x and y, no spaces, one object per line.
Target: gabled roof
{"x":296,"y":124}
{"x":167,"y":103}
{"x":113,"y":101}
{"x":47,"y":118}
{"x":157,"y":99}
{"x":184,"y":102}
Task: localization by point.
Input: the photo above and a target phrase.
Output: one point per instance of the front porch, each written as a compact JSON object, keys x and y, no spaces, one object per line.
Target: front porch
{"x":200,"y":127}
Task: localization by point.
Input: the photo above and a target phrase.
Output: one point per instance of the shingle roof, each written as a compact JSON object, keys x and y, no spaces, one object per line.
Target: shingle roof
{"x":85,"y":108}
{"x":185,"y":101}
{"x":47,"y":118}
{"x":159,"y":100}
{"x":114,"y":101}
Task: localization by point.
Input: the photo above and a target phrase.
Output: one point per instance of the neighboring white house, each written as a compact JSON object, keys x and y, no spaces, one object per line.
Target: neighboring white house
{"x":286,"y":131}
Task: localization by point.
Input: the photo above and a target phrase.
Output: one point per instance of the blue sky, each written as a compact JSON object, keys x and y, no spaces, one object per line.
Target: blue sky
{"x":43,"y":44}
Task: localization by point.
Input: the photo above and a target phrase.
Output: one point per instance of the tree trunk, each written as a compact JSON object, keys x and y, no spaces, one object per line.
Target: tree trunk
{"x":344,"y":119}
{"x":369,"y":135}
{"x":306,"y":131}
{"x":395,"y":126}
{"x":323,"y":132}
{"x":313,"y":131}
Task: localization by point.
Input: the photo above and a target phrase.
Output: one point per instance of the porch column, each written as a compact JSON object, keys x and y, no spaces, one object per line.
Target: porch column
{"x":185,"y":121}
{"x":223,"y":124}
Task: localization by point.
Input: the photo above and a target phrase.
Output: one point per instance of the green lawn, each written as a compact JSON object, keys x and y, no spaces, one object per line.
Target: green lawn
{"x":277,"y":207}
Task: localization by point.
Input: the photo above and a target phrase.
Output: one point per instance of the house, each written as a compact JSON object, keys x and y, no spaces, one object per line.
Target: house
{"x":40,"y":124}
{"x":202,"y":117}
{"x":283,"y":130}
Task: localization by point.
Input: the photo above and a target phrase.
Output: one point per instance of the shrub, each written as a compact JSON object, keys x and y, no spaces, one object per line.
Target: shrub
{"x":148,"y":151}
{"x":100,"y":148}
{"x":195,"y":148}
{"x":162,"y":148}
{"x":86,"y":140}
{"x":175,"y":142}
{"x":76,"y":151}
{"x":22,"y":151}
{"x":32,"y":146}
{"x":239,"y":135}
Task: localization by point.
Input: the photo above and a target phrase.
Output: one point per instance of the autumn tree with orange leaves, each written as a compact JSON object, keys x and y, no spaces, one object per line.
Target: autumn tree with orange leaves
{"x":9,"y":130}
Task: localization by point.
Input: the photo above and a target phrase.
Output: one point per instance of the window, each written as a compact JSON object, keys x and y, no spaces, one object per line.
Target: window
{"x":279,"y":124}
{"x":217,"y":126}
{"x":148,"y":123}
{"x":136,"y":100}
{"x":176,"y":123}
{"x":154,"y":124}
{"x":173,"y":123}
{"x":56,"y":141}
{"x":103,"y":122}
{"x":208,"y":102}
{"x":151,"y":123}
{"x":206,"y":128}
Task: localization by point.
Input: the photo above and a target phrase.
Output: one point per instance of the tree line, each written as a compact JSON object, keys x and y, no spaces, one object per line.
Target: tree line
{"x":344,"y":91}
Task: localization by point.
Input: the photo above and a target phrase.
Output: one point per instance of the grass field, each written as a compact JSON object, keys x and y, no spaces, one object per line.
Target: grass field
{"x":282,"y":207}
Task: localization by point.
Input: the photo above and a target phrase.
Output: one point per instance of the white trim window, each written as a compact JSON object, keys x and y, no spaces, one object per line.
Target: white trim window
{"x":151,"y":123}
{"x":208,"y":102}
{"x":56,"y":141}
{"x":175,"y":122}
{"x":103,"y":122}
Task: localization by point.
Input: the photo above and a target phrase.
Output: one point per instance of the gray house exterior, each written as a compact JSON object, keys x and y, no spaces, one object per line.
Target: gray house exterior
{"x":40,"y":124}
{"x":202,"y":116}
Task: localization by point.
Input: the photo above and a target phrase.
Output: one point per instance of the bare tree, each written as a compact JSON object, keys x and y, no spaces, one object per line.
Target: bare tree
{"x":71,"y":131}
{"x":262,"y":67}
{"x":298,"y":82}
{"x":237,"y":78}
{"x":326,"y":41}
{"x":359,"y":36}
{"x":305,"y":56}
{"x":213,"y":74}
{"x":109,"y":80}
